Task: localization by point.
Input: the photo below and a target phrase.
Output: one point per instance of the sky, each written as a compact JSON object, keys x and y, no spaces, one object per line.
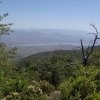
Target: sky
{"x":52,"y":14}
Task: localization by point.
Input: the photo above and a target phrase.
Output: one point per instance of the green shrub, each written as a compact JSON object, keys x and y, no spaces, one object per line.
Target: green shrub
{"x":86,"y":85}
{"x":20,"y":89}
{"x":46,"y":87}
{"x":94,"y":96}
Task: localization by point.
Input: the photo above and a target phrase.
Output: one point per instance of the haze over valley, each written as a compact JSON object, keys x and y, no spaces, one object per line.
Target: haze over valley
{"x":45,"y":37}
{"x":40,"y":40}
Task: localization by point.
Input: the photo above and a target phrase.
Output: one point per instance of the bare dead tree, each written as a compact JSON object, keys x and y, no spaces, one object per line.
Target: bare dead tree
{"x":87,"y":52}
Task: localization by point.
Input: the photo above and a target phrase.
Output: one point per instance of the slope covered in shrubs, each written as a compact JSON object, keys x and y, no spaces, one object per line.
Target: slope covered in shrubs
{"x":38,"y":76}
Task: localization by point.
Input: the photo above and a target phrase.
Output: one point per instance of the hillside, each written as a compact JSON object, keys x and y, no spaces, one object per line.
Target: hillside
{"x":55,"y":75}
{"x":25,"y":51}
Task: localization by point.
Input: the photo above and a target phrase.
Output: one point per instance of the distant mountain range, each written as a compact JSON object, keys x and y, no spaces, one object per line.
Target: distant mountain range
{"x":41,"y":40}
{"x":42,"y":37}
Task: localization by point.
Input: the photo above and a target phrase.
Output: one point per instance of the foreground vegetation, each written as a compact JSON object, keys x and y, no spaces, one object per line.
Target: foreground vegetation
{"x":38,"y":76}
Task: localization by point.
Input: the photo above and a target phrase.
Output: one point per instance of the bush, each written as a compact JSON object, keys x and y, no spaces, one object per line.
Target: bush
{"x":84,"y":86}
{"x":20,"y":89}
{"x":46,"y":87}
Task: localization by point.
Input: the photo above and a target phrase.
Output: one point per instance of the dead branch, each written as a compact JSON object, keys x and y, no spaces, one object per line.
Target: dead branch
{"x":85,"y":56}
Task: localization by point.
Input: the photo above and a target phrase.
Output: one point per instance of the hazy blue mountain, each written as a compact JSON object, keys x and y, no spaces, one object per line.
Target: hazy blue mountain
{"x":34,"y":41}
{"x":39,"y":37}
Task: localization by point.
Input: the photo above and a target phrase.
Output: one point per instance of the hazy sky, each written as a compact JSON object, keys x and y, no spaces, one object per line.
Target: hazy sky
{"x":64,"y":14}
